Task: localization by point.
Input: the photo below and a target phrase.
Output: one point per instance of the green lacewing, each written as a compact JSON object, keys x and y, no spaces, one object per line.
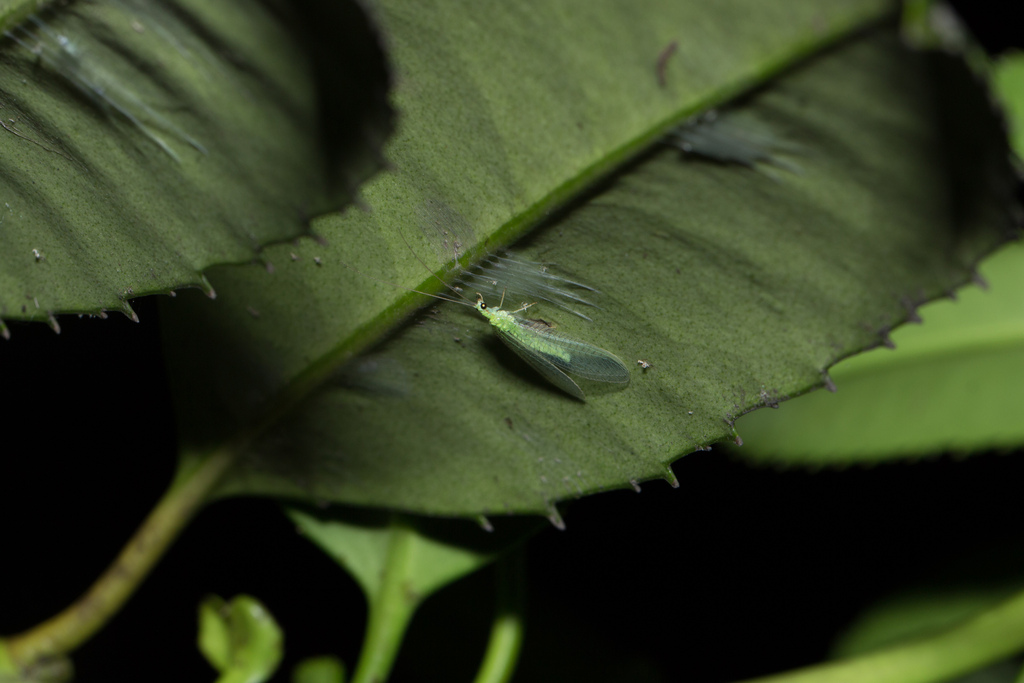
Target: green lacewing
{"x":553,"y":354}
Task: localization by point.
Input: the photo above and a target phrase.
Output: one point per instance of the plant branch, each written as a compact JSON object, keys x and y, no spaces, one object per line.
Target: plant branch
{"x":507,"y":631}
{"x":195,"y":479}
{"x":81,"y":620}
{"x":989,"y":637}
{"x":391,"y":608}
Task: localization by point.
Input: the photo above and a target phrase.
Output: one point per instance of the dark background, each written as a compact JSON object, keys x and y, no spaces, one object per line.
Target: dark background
{"x":739,"y":572}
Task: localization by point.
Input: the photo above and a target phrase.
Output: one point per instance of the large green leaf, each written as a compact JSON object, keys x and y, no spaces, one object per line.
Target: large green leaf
{"x":144,"y":141}
{"x":740,"y":287}
{"x":1008,"y":83}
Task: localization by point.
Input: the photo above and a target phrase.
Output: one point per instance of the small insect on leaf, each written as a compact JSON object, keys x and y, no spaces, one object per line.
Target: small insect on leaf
{"x":554,"y":355}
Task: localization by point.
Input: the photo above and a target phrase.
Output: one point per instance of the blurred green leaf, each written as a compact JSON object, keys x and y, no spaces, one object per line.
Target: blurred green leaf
{"x":239,"y":639}
{"x":968,"y":648}
{"x":1008,"y":84}
{"x":1000,"y":672}
{"x":954,"y":383}
{"x":936,"y":605}
{"x":427,"y":554}
{"x":920,"y":613}
{"x":143,"y":142}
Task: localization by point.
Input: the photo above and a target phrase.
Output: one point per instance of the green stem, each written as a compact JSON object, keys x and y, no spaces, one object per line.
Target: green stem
{"x":989,"y":637}
{"x":390,"y":611}
{"x":507,"y":631}
{"x":81,"y":620}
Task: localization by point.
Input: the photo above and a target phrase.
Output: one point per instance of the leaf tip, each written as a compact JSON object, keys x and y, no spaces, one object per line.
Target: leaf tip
{"x":4,"y":331}
{"x":635,"y":484}
{"x":484,"y":523}
{"x":51,"y":319}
